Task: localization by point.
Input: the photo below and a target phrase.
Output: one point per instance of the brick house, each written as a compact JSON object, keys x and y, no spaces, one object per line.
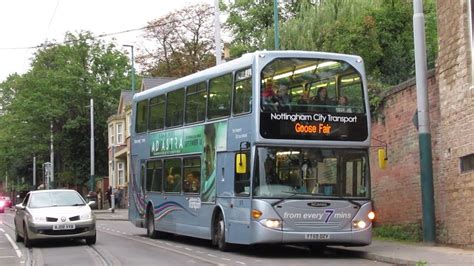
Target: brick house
{"x":396,"y":190}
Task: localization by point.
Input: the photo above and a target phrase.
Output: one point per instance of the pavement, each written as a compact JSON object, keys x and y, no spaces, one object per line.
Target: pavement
{"x":380,"y":250}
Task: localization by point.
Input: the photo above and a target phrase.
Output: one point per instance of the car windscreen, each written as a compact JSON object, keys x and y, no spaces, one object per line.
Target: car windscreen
{"x":55,"y":199}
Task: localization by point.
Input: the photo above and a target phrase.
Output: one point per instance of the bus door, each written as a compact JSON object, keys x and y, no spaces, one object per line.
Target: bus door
{"x":233,"y":190}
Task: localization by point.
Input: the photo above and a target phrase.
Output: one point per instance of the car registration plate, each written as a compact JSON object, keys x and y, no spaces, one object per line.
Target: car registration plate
{"x":317,"y":236}
{"x":64,"y":226}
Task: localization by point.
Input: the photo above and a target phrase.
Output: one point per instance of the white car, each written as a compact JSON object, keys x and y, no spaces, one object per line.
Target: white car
{"x":55,"y":213}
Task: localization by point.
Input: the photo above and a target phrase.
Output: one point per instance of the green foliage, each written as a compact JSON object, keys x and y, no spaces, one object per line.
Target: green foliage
{"x":404,"y":232}
{"x":380,"y":31}
{"x":248,"y":20}
{"x":57,"y":89}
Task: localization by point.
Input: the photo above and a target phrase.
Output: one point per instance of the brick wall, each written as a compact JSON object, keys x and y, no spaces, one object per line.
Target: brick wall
{"x":396,"y":190}
{"x":455,"y":198}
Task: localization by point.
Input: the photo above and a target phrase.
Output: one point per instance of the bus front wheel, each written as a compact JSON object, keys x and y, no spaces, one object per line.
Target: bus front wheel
{"x":219,"y":234}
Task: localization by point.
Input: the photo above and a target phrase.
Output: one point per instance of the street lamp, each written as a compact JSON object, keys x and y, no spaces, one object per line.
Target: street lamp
{"x":133,"y":67}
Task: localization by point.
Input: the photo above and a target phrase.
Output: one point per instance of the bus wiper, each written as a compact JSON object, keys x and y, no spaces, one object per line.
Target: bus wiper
{"x":293,"y":193}
{"x":348,"y":199}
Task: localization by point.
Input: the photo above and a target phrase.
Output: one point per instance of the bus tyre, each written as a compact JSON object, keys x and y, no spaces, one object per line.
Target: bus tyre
{"x":219,"y":235}
{"x":150,"y":225}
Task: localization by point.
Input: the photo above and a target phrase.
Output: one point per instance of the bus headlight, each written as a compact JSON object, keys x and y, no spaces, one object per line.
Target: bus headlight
{"x":359,"y":224}
{"x":271,"y":223}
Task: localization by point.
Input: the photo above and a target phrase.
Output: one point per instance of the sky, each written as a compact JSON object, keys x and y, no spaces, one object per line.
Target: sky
{"x":28,"y":23}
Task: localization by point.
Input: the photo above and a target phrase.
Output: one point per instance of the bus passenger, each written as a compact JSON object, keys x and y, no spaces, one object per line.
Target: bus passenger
{"x":268,"y":98}
{"x":342,"y":103}
{"x":191,"y":182}
{"x":304,"y":101}
{"x":321,"y":99}
{"x":283,"y":99}
{"x":173,"y":183}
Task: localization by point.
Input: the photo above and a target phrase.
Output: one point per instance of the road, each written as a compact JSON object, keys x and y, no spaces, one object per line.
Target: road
{"x":121,"y":243}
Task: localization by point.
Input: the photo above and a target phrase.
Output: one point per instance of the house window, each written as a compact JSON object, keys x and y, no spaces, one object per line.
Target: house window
{"x":121,"y":173}
{"x":467,"y":163}
{"x":120,"y":133}
{"x":111,"y":135}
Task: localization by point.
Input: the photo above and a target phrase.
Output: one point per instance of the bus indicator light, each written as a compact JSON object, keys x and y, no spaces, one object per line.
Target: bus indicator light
{"x":371,"y":215}
{"x":256,"y":214}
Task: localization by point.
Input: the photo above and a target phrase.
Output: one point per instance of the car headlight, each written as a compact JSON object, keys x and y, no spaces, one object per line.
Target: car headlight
{"x":271,"y":223}
{"x":39,"y":219}
{"x":86,"y":216}
{"x":2,"y":204}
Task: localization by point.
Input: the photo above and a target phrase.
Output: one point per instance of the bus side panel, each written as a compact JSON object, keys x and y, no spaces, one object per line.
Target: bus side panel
{"x":183,"y":215}
{"x":236,"y":210}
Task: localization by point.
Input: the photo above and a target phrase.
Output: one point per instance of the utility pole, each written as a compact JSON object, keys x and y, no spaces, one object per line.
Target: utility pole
{"x":133,"y":66}
{"x":275,"y":22}
{"x":217,"y":32}
{"x":52,"y":157}
{"x":34,"y":171}
{"x":424,"y":131}
{"x":91,"y":179}
{"x":112,"y":197}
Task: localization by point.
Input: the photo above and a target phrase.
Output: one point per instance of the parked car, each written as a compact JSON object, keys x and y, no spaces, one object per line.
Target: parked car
{"x":52,"y":214}
{"x":2,"y":205}
{"x":8,"y":202}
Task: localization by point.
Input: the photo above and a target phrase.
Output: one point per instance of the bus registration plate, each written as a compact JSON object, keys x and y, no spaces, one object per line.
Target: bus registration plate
{"x":317,"y":236}
{"x":64,"y":226}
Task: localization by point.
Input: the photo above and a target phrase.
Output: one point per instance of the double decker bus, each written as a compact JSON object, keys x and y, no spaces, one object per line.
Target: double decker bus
{"x":268,"y":148}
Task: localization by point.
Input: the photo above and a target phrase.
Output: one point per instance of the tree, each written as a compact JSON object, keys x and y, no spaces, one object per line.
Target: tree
{"x":184,"y":41}
{"x":57,"y":89}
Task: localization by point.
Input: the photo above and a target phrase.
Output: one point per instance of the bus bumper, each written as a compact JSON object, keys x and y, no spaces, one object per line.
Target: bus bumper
{"x":263,"y":235}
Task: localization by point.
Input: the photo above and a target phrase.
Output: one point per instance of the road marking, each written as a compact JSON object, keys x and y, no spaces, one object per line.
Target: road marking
{"x":7,"y":257}
{"x":225,"y":259}
{"x":17,"y":250}
{"x":239,"y":262}
{"x":171,"y":248}
{"x":190,"y":249}
{"x":1,"y":229}
{"x":212,"y":255}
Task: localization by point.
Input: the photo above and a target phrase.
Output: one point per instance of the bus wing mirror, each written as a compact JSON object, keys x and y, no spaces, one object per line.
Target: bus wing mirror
{"x":382,"y":157}
{"x":241,"y":163}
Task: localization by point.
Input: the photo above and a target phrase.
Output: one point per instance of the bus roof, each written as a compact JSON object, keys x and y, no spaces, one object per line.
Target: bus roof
{"x":227,"y":67}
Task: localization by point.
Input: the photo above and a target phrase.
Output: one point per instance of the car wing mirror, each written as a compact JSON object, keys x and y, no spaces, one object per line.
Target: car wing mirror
{"x":91,"y":203}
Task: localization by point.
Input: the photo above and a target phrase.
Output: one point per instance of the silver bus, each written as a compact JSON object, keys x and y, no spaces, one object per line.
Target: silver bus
{"x":271,"y":147}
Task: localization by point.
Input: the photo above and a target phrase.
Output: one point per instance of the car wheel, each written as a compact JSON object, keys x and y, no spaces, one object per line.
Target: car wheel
{"x":18,"y":238}
{"x":91,"y":240}
{"x":150,"y":225}
{"x":26,"y":239}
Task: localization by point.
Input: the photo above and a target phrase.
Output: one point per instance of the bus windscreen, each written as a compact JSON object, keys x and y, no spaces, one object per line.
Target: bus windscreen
{"x":312,"y":99}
